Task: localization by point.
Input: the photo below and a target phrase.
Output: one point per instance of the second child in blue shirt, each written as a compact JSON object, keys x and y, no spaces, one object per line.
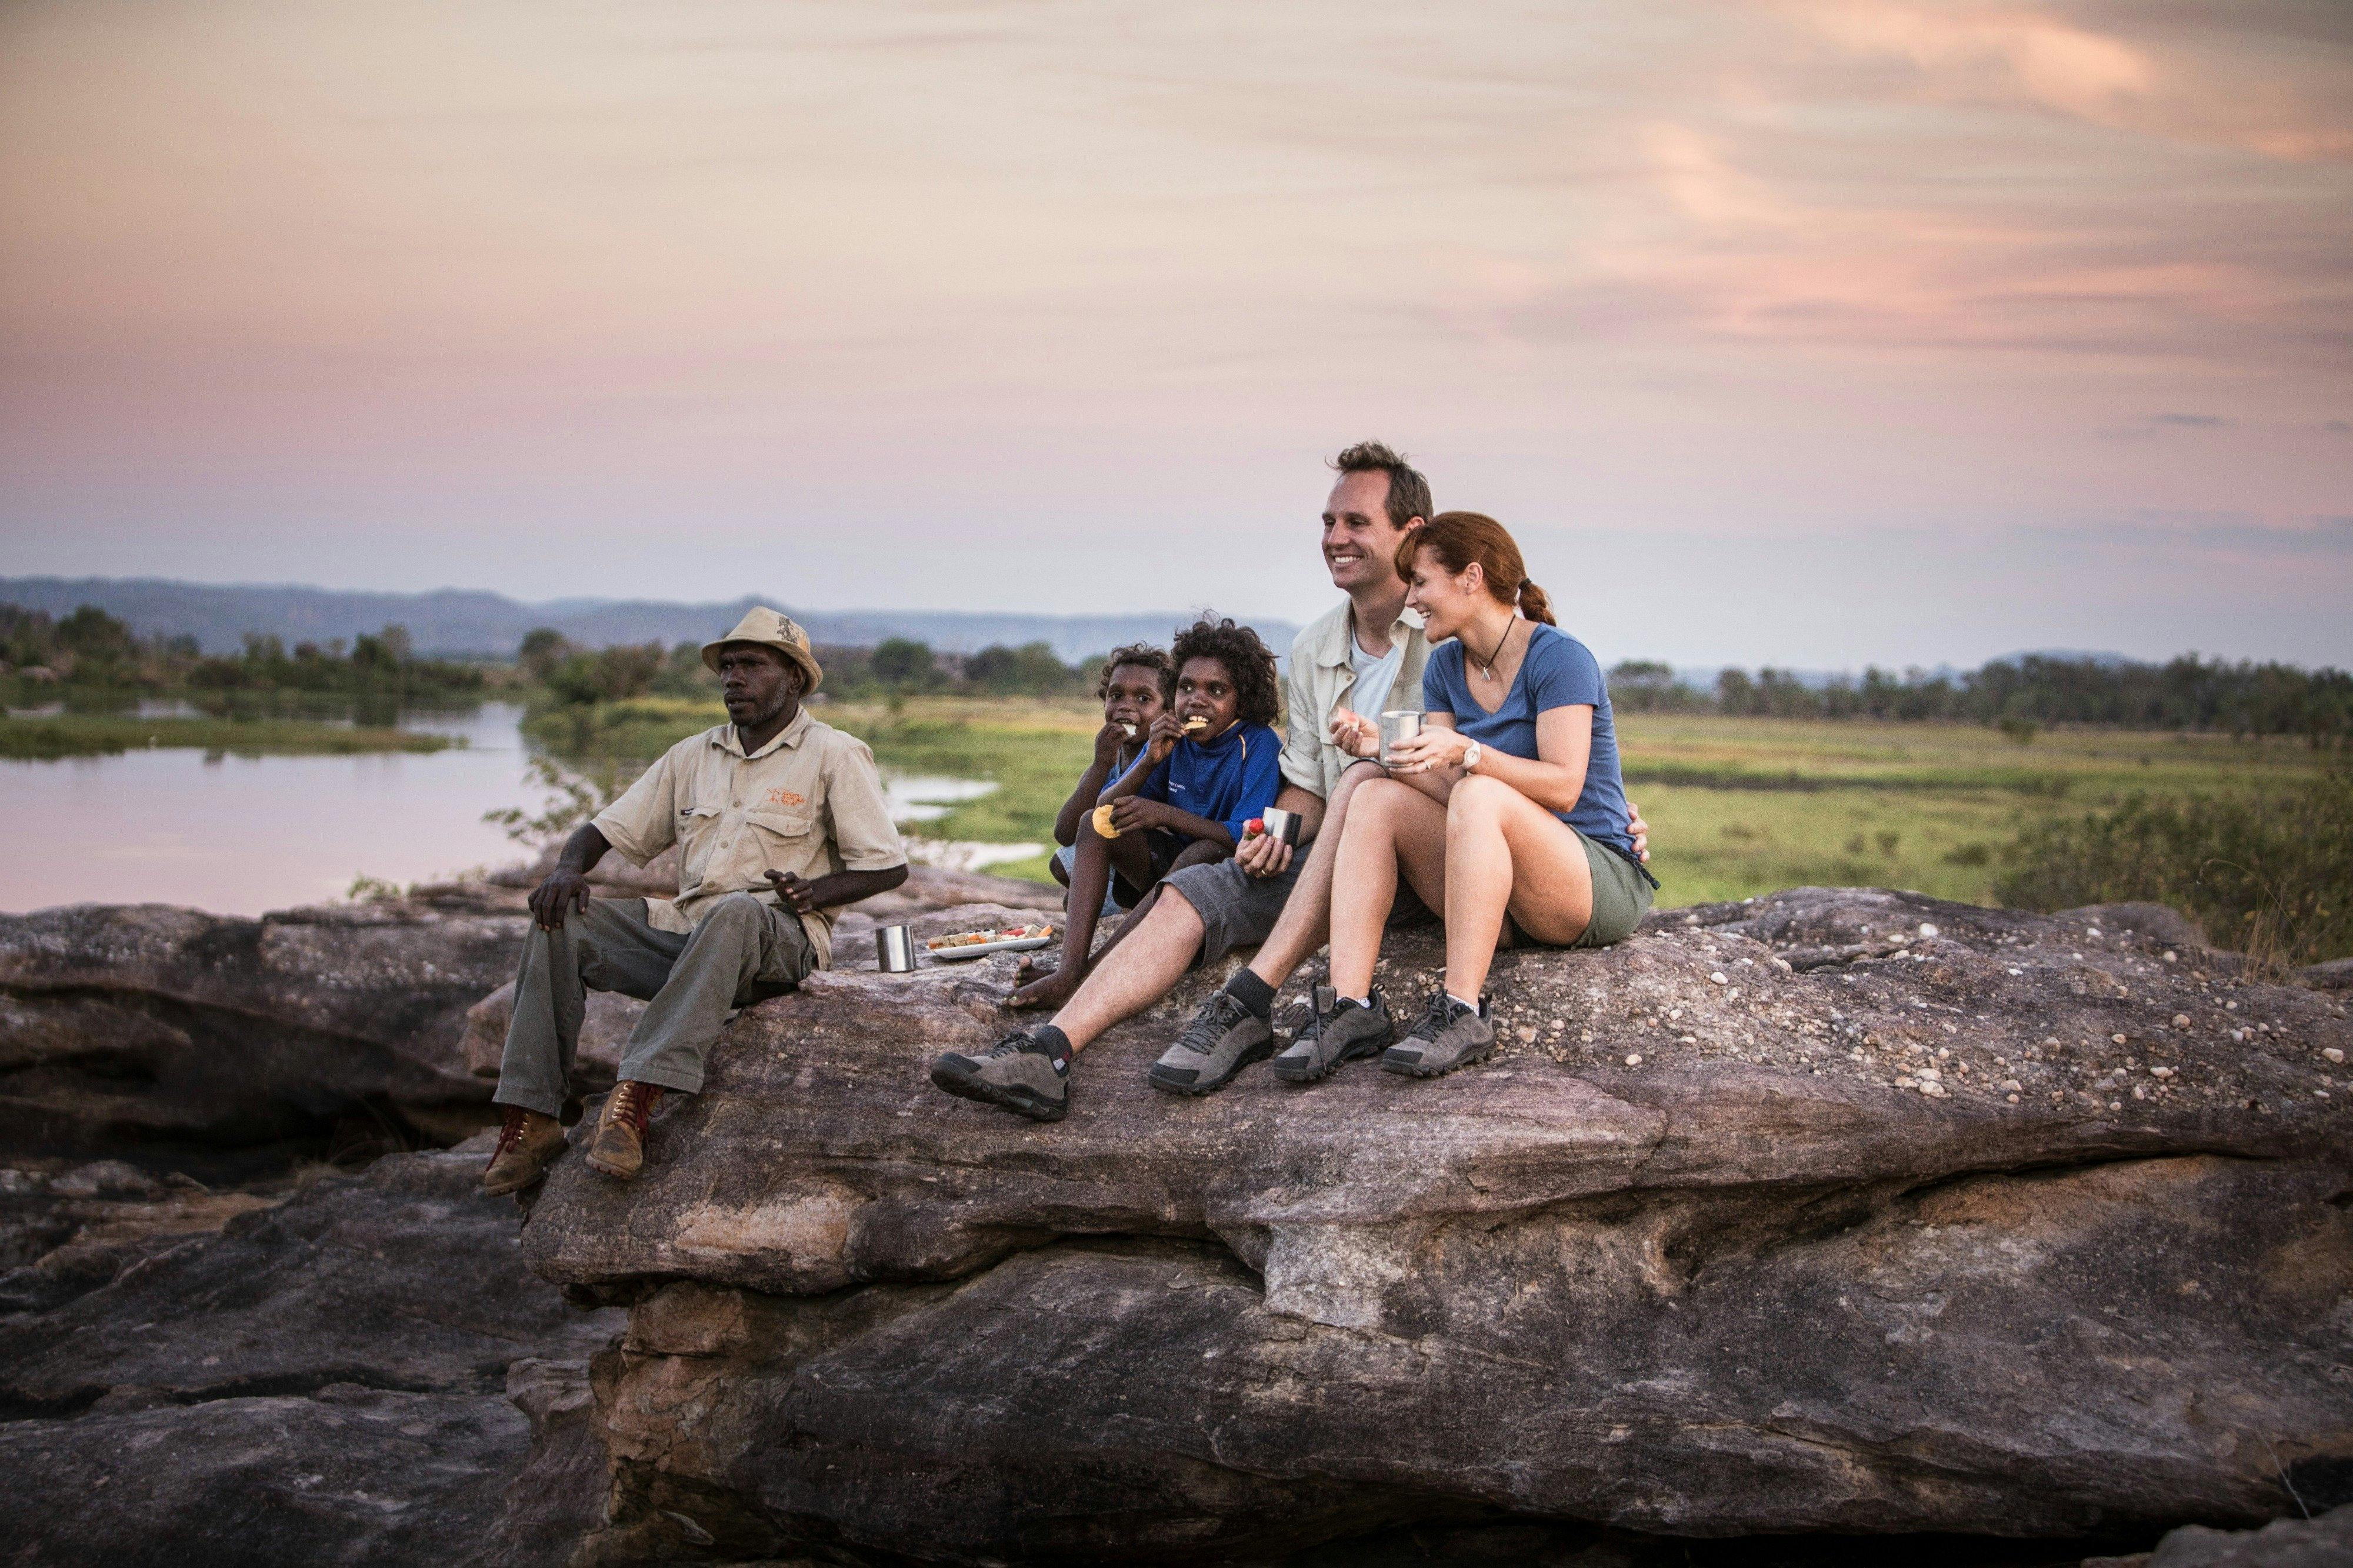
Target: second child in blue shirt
{"x":1211,"y":763}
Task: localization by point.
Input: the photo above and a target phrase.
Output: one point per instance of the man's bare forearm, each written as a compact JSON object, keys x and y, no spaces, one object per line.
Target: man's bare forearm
{"x":848,"y":887}
{"x":583,"y":850}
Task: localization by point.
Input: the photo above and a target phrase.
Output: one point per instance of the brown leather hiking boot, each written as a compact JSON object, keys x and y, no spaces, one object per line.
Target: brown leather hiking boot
{"x":619,"y":1147}
{"x":528,"y":1144}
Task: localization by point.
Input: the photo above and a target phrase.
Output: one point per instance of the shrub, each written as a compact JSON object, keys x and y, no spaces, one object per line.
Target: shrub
{"x":2269,"y":873}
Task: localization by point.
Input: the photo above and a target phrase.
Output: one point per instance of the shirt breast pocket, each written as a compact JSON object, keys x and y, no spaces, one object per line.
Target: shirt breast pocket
{"x":697,"y":833}
{"x":786,"y":837}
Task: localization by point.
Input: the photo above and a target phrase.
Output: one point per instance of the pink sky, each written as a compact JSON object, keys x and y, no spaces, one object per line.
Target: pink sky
{"x":1806,"y":333}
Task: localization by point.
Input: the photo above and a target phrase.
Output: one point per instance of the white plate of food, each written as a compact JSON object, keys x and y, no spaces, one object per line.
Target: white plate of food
{"x":964,"y":944}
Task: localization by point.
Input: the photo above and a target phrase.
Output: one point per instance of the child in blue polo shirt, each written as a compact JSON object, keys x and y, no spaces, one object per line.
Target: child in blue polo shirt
{"x":1211,"y":764}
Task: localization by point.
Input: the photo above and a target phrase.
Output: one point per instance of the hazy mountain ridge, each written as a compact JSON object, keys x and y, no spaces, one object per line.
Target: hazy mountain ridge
{"x":454,"y":621}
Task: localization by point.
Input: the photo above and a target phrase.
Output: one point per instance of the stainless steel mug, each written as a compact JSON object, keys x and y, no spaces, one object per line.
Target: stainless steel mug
{"x":894,"y":949}
{"x":1282,"y":827}
{"x":1397,"y":725}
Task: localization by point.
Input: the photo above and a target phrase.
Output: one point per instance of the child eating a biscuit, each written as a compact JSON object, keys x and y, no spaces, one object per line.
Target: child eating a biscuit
{"x":1209,"y":765}
{"x":1134,"y":687}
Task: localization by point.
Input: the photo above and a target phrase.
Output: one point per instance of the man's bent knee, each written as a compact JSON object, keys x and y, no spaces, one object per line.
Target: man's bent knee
{"x":1174,"y":912}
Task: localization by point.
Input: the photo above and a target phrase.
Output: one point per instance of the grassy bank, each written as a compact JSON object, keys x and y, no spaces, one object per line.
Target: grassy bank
{"x":106,"y":735}
{"x":1742,"y":806}
{"x":1739,"y":806}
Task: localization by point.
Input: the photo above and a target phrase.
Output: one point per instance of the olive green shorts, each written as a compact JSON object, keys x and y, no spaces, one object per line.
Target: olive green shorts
{"x":1621,"y":897}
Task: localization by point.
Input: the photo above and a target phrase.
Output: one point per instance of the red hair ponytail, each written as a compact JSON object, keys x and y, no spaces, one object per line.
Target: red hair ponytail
{"x":1460,"y":538}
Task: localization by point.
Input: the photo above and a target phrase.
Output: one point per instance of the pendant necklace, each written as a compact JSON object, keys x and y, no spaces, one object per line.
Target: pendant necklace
{"x":1487,"y":665}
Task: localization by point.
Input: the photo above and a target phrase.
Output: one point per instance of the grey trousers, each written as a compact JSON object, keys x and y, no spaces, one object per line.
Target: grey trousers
{"x":744,"y":950}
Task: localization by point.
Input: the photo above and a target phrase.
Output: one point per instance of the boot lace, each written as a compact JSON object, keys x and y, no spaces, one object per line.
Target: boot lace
{"x":509,"y":1130}
{"x":632,"y":1102}
{"x":1219,"y":1013}
{"x":1433,"y":1020}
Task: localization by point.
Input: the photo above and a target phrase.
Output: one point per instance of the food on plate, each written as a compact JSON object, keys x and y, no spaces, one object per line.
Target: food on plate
{"x":975,"y":938}
{"x":1102,"y":822}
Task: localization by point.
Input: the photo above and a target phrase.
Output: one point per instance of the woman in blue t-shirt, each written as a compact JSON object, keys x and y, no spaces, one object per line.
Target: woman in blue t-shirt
{"x":1506,"y":813}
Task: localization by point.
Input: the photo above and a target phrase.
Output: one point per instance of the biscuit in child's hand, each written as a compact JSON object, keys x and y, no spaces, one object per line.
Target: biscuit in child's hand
{"x":1102,"y":823}
{"x":1196,"y":723}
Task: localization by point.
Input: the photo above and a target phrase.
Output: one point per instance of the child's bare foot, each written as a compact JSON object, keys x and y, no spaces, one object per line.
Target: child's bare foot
{"x":1047,"y":991}
{"x":1033,"y":969}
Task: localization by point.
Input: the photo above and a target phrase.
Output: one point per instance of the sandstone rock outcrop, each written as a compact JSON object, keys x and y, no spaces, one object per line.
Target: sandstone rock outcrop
{"x":352,"y":1376}
{"x":150,"y":1025}
{"x":1834,"y":1211}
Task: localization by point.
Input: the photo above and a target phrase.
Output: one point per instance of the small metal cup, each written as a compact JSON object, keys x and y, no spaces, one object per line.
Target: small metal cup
{"x":1397,"y":725}
{"x":1282,"y":827}
{"x":894,"y":949}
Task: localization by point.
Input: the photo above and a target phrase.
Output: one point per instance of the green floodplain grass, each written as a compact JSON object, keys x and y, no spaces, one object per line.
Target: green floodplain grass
{"x":1737,"y":806}
{"x":70,"y":734}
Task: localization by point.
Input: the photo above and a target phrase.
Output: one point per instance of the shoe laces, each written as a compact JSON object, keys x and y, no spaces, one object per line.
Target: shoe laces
{"x":1017,"y":1041}
{"x":632,"y":1102}
{"x":1434,"y":1018}
{"x":1219,"y":1013}
{"x":509,"y":1130}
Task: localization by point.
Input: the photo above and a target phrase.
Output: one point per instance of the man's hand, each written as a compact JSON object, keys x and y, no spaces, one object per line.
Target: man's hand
{"x":565,"y":890}
{"x":1130,"y":812}
{"x":1262,"y":855}
{"x":1638,"y":830}
{"x":1354,"y":735}
{"x":798,"y":896}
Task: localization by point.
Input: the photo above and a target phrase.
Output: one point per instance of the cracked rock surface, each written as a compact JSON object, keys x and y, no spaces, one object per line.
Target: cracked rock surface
{"x":360,"y":1366}
{"x":1840,"y":1210}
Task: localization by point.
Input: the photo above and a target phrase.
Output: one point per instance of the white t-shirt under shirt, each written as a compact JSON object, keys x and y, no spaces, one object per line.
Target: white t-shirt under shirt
{"x":1370,"y":694}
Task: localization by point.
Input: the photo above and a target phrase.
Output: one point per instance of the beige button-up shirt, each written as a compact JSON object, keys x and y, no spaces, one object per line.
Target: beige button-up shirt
{"x":809,"y":803}
{"x":1320,"y":678}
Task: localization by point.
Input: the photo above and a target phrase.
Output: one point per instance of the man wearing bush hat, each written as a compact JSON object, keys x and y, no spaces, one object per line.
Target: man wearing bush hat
{"x":779,"y":820}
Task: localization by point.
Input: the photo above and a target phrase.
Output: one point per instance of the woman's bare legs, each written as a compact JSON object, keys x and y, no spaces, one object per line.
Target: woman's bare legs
{"x":1390,"y":827}
{"x":1504,"y":850}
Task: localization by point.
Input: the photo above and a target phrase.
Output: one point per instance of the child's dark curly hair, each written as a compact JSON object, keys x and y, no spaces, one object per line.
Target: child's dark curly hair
{"x":1245,"y":659}
{"x":1145,"y":656}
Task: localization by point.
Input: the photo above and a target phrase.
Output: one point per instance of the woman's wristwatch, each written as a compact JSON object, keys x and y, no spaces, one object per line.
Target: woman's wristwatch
{"x":1471,"y":754}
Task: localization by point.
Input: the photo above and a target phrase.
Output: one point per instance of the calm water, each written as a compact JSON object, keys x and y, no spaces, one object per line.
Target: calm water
{"x":241,"y":836}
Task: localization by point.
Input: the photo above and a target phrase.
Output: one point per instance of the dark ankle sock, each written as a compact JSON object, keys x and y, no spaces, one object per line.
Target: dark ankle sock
{"x":1251,"y":992}
{"x":1055,"y":1044}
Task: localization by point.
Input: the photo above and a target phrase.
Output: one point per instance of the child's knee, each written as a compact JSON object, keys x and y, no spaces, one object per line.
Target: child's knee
{"x":1200,"y":852}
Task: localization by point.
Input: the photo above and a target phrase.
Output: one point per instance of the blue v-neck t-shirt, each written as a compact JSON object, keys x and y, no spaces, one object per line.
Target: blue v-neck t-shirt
{"x":1557,"y":672}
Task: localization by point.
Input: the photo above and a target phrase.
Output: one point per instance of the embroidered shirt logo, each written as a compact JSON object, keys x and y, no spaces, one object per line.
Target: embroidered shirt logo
{"x":786,"y":797}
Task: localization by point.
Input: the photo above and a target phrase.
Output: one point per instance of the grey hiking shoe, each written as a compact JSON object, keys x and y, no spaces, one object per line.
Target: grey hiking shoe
{"x":1335,"y":1032}
{"x":1015,"y":1074}
{"x":1224,"y":1037}
{"x":1448,"y":1036}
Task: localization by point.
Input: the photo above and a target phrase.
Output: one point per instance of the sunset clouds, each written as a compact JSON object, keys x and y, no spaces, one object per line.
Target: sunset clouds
{"x":1844,"y":331}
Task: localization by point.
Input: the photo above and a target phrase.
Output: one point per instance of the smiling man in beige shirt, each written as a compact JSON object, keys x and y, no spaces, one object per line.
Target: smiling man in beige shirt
{"x":779,"y":820}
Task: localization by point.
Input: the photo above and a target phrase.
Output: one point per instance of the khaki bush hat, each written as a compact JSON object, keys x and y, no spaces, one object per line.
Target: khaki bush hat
{"x":770,"y":628}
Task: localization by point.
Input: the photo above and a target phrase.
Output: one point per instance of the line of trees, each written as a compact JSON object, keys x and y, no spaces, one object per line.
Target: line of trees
{"x":897,"y":665}
{"x":91,"y":648}
{"x":2184,"y":693}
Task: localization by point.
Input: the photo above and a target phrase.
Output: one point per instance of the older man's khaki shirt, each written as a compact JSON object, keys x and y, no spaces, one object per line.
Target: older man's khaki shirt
{"x":809,"y":803}
{"x":1320,"y":678}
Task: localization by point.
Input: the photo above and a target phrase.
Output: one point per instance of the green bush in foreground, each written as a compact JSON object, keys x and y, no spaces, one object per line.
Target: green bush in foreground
{"x":2269,"y":873}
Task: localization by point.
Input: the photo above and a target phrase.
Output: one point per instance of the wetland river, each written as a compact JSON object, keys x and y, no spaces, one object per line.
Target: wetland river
{"x":244,"y":835}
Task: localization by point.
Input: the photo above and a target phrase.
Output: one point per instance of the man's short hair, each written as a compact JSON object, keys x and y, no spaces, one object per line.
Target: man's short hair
{"x":1408,"y":491}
